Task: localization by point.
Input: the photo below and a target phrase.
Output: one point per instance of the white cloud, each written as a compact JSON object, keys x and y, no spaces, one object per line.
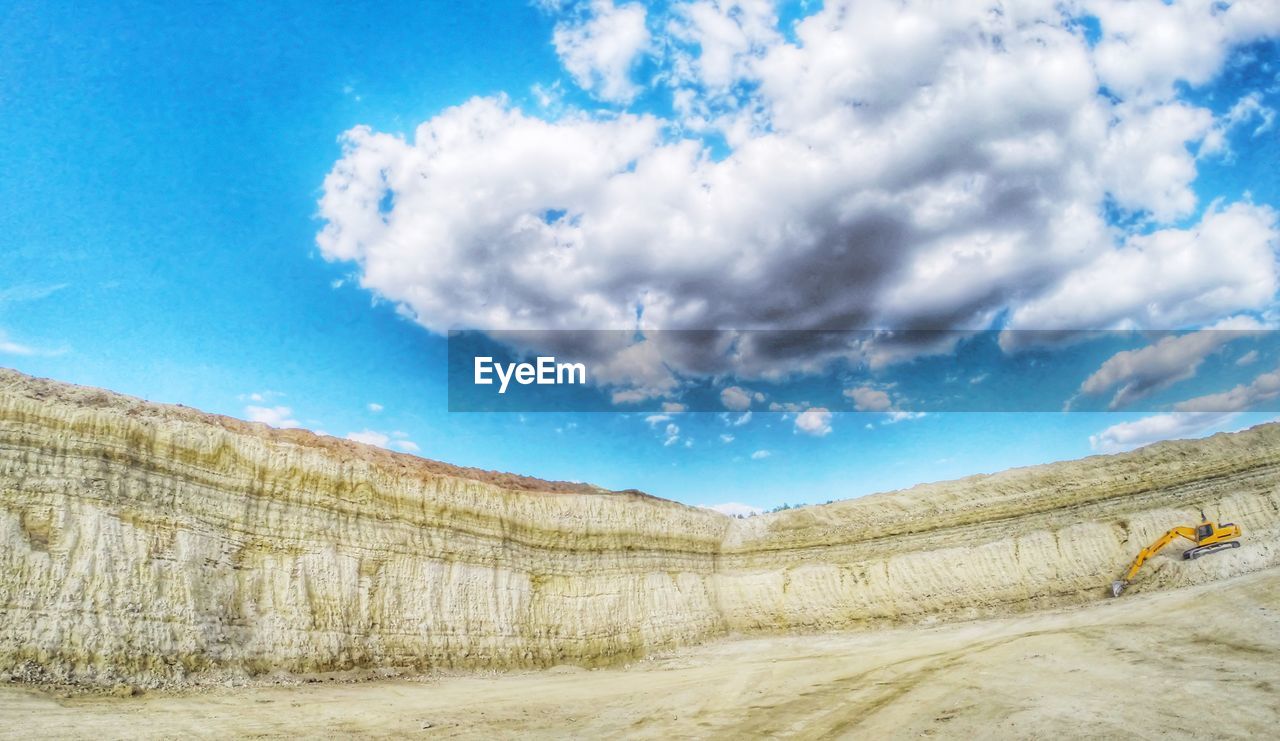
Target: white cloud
{"x":1148,"y":45}
{"x":872,"y":399}
{"x":1170,"y":278}
{"x":868,"y":399}
{"x":671,"y":436}
{"x":736,"y":398}
{"x":370,"y":437}
{"x":673,"y":407}
{"x":10,"y":347}
{"x":407,"y":446}
{"x":1248,"y":358}
{"x":16,"y":348}
{"x":601,"y":49}
{"x":375,"y":408}
{"x":760,"y":455}
{"x":1264,"y":388}
{"x":1140,"y":373}
{"x":629,"y":396}
{"x":1130,"y":435}
{"x":727,"y":38}
{"x":733,"y":509}
{"x":815,"y":421}
{"x":24,"y":292}
{"x":278,"y":416}
{"x":1146,"y":163}
{"x":726,"y":438}
{"x":654,"y":419}
{"x":1245,"y":111}
{"x":1191,"y":417}
{"x":549,"y":98}
{"x":897,"y":164}
{"x":789,"y":407}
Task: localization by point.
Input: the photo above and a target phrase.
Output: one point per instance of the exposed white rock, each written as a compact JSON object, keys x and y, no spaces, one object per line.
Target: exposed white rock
{"x":157,"y":545}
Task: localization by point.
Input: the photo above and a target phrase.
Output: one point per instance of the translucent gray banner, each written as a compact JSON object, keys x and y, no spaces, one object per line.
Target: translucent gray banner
{"x":872,"y":371}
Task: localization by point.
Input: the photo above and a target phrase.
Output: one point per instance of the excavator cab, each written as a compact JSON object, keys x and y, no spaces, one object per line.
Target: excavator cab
{"x":1207,"y":536}
{"x":1211,"y":538}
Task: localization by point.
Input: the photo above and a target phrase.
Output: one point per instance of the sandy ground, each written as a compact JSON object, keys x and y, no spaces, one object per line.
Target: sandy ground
{"x":1191,"y":662}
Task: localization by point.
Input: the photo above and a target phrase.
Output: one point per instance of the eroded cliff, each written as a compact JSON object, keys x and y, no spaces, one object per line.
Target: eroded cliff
{"x":158,"y":545}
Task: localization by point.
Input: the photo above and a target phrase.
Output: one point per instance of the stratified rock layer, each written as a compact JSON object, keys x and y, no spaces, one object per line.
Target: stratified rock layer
{"x":157,"y":545}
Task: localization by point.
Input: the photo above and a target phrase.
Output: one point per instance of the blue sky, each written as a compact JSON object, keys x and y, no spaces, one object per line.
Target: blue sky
{"x":168,"y":231}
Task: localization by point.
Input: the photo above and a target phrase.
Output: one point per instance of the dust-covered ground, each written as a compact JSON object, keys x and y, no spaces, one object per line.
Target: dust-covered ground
{"x":1190,"y":662}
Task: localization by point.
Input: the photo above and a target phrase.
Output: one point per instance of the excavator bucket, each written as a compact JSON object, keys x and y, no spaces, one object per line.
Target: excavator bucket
{"x":1118,"y":586}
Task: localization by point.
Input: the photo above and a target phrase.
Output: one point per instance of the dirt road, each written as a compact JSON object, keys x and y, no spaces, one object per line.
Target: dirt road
{"x":1145,"y":666}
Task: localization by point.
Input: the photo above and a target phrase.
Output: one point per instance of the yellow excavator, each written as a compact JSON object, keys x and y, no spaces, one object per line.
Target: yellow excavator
{"x":1207,"y":536}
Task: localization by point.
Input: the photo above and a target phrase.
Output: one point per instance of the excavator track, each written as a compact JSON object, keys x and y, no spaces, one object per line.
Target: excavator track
{"x":1204,"y":550}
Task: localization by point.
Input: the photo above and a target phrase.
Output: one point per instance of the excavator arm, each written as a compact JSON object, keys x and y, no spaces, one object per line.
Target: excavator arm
{"x":1154,"y":548}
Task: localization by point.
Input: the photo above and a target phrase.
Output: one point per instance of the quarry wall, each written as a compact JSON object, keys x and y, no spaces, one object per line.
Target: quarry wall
{"x":158,"y":545}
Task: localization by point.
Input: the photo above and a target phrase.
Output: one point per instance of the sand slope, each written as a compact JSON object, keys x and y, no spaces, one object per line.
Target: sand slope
{"x":1145,"y":666}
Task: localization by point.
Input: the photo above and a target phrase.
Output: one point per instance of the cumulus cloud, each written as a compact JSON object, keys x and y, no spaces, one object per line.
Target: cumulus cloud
{"x":1140,"y":373}
{"x":788,"y":407}
{"x":868,"y":399}
{"x":900,"y":164}
{"x":760,"y":455}
{"x":601,"y":49}
{"x":1157,"y":427}
{"x":716,"y":43}
{"x":407,"y":446}
{"x":814,"y":421}
{"x":736,"y":398}
{"x":374,"y":407}
{"x":1148,"y":46}
{"x":278,"y":416}
{"x":1263,"y":389}
{"x":872,"y":399}
{"x":1170,"y":278}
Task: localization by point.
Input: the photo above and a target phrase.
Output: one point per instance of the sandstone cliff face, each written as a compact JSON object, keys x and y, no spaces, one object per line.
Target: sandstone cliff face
{"x":157,"y":545}
{"x":1022,"y":539}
